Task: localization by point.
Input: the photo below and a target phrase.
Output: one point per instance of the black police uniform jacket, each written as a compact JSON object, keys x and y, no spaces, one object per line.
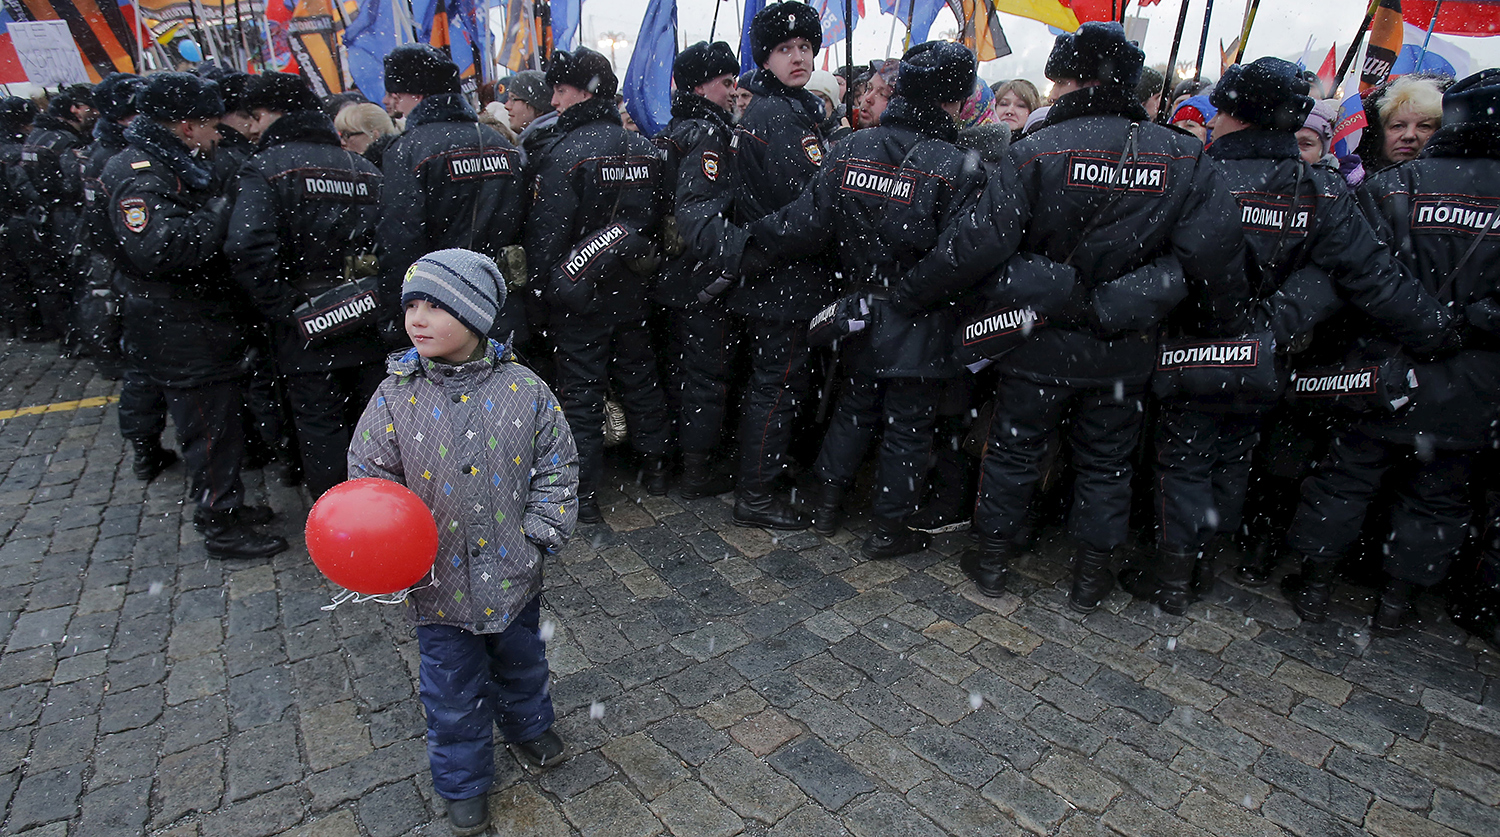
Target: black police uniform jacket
{"x":302,"y":204}
{"x":778,"y":146}
{"x":595,"y":174}
{"x":1431,"y":211}
{"x":883,"y":196}
{"x":1170,"y":201}
{"x":182,"y":313}
{"x":13,"y":201}
{"x":50,"y":169}
{"x":694,"y":145}
{"x":1325,"y":231}
{"x":94,"y":223}
{"x":450,"y":182}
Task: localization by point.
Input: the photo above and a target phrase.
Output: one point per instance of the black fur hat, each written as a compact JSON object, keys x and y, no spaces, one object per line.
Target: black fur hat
{"x":232,"y":87}
{"x":420,"y":69}
{"x":781,"y":22}
{"x":16,"y":113}
{"x":1474,"y":99}
{"x":1267,"y":93}
{"x":584,"y":69}
{"x":169,"y":97}
{"x":1096,"y":52}
{"x":703,"y":62}
{"x":280,"y":92}
{"x":61,"y":103}
{"x":937,"y":71}
{"x":115,"y":95}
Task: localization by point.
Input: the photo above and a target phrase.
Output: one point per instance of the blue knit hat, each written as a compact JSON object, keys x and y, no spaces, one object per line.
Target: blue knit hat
{"x":466,"y":284}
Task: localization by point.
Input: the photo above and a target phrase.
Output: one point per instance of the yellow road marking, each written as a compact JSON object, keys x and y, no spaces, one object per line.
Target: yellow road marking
{"x":59,"y":407}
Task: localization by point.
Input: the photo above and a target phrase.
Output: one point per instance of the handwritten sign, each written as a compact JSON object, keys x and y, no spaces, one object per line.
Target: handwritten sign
{"x":47,"y":53}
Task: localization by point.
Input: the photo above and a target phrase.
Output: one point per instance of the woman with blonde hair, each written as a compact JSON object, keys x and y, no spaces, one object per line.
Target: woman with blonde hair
{"x":366,"y":129}
{"x":1014,"y":102}
{"x":1403,"y":115}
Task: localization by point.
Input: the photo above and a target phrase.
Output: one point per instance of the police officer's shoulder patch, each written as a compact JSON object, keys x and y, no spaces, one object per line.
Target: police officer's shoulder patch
{"x":813,"y":149}
{"x":141,"y":164}
{"x":711,"y":165}
{"x":135,"y":214}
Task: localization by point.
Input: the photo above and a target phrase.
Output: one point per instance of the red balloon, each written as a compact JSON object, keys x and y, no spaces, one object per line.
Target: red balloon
{"x":372,"y":536}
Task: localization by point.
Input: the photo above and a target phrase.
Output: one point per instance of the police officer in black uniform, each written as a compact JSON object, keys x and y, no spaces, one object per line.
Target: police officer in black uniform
{"x":50,"y":175}
{"x":703,"y":333}
{"x":595,"y":183}
{"x":450,"y":181}
{"x":1302,"y":229}
{"x":777,"y":149}
{"x":183,"y":319}
{"x":16,"y":116}
{"x":1116,"y":192}
{"x":304,"y":212}
{"x":1438,"y":213}
{"x":884,"y":196}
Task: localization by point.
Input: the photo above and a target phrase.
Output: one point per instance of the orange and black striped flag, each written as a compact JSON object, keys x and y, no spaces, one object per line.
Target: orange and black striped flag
{"x":104,"y":30}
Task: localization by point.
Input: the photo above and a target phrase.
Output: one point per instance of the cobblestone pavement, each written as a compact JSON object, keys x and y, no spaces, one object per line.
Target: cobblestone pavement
{"x":711,"y":680}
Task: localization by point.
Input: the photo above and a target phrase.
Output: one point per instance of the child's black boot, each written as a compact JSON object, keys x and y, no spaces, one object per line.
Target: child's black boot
{"x":468,"y":817}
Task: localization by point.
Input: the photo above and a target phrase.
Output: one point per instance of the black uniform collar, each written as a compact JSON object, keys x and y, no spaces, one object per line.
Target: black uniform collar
{"x":926,"y":118}
{"x":232,"y":139}
{"x":441,"y":107}
{"x":300,"y":126}
{"x":1104,"y":100}
{"x":47,"y":122}
{"x":592,"y":109}
{"x":1465,"y":140}
{"x":687,"y":105}
{"x":110,"y":134}
{"x":765,"y":83}
{"x":1255,"y":144}
{"x":165,"y":146}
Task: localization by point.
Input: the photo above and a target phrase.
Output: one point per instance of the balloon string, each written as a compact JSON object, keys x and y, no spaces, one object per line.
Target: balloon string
{"x":396,"y":598}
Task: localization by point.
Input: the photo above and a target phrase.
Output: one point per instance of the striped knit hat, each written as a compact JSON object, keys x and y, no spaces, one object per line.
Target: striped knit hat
{"x":466,"y":284}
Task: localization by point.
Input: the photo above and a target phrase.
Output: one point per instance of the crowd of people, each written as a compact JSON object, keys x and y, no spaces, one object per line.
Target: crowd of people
{"x":1175,"y":311}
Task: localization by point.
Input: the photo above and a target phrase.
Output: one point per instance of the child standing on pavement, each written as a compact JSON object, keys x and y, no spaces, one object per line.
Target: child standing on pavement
{"x":483,"y":442}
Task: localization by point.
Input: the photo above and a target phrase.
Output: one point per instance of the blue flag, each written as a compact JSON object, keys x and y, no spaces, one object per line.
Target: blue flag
{"x":831,"y":16}
{"x":565,"y":16}
{"x":648,"y":79}
{"x":370,"y":35}
{"x":747,"y":49}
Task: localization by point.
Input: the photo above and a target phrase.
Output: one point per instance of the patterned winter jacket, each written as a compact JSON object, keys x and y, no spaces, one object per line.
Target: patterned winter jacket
{"x":486,"y":447}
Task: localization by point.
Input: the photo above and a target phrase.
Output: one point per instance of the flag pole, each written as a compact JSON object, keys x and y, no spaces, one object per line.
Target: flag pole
{"x":714,"y":27}
{"x":1354,"y":45}
{"x":1208,"y":13}
{"x":911,"y":14}
{"x":1431,"y":25}
{"x":1245,"y":33}
{"x":140,"y":49}
{"x":1166,"y":89}
{"x":849,"y":59}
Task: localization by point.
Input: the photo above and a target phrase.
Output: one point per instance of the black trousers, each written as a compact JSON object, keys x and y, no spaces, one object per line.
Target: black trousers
{"x":706,"y":339}
{"x":1429,"y":518}
{"x":143,"y":406}
{"x":1104,"y":425}
{"x":212,"y":440}
{"x":902,"y":411}
{"x":1202,"y":474}
{"x":589,"y":357}
{"x":325,"y":407}
{"x":779,"y":379}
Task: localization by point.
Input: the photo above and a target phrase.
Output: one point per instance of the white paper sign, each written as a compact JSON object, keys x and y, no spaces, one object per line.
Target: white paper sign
{"x":47,"y":53}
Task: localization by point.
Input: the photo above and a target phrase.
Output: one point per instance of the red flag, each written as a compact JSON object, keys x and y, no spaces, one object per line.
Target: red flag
{"x":1329,"y":69}
{"x":1456,"y":17}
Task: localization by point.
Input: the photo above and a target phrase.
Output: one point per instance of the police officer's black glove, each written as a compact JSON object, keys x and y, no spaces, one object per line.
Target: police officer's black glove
{"x":393,"y":333}
{"x":1452,"y":341}
{"x":1483,"y":317}
{"x":753,"y":260}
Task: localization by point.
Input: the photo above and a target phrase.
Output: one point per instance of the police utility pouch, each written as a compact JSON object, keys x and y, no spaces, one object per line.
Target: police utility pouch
{"x":349,"y":306}
{"x":1194,"y":367}
{"x":847,"y":315}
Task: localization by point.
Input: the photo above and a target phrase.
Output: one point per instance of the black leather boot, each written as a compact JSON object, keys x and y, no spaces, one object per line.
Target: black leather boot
{"x":226,"y":538}
{"x":1174,"y":578}
{"x":764,"y":510}
{"x":828,"y":513}
{"x":892,"y":539}
{"x":151,"y":459}
{"x":588,"y":509}
{"x":1260,"y":560}
{"x":1092,"y":579}
{"x":699,"y":479}
{"x":468,"y":817}
{"x":657,"y":477}
{"x":244,"y":515}
{"x":987,"y":564}
{"x":1311,"y":590}
{"x":1390,"y":617}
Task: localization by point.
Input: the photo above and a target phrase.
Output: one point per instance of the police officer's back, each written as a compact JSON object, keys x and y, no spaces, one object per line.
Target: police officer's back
{"x":49,"y":172}
{"x":16,"y":116}
{"x":304,"y":212}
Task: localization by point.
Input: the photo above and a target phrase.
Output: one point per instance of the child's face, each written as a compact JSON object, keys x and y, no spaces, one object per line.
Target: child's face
{"x":437,"y":334}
